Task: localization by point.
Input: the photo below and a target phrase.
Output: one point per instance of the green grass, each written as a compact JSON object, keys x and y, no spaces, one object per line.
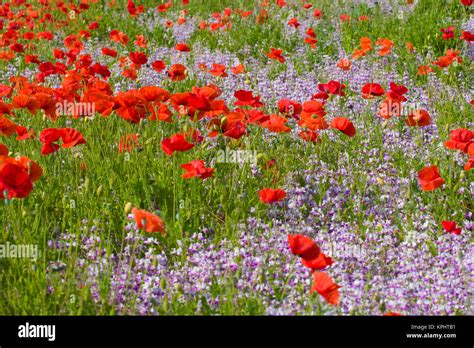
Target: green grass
{"x":148,"y":179}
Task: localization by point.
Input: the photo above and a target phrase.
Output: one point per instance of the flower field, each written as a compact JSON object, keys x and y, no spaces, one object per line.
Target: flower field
{"x":232,"y":157}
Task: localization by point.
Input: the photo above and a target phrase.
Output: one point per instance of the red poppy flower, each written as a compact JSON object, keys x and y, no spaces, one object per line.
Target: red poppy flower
{"x":344,"y":125}
{"x":460,"y":139}
{"x":134,"y":10}
{"x":246,"y":98}
{"x":48,"y":137}
{"x":153,"y":93}
{"x":138,"y":58}
{"x":313,"y":107}
{"x":235,"y":130}
{"x":325,"y":286}
{"x":308,"y":135}
{"x":289,"y":107}
{"x":303,"y":246}
{"x":396,"y":92}
{"x":345,"y":17}
{"x":118,"y":36}
{"x":3,"y":150}
{"x":71,"y":137}
{"x":32,"y":168}
{"x":24,"y":134}
{"x":386,"y":46}
{"x":293,"y":22}
{"x":177,"y":72}
{"x":164,"y":7}
{"x":429,"y":178}
{"x":332,"y":87}
{"x":182,"y":47}
{"x":109,"y":52}
{"x":424,"y":70}
{"x":22,"y":101}
{"x":392,"y":314}
{"x":5,"y":91}
{"x":450,"y":227}
{"x":93,"y":26}
{"x":318,"y":263}
{"x":196,"y":168}
{"x":467,"y":36}
{"x":418,"y":118}
{"x":311,"y":41}
{"x":310,"y":32}
{"x":276,"y":124}
{"x":218,"y":70}
{"x":309,"y":251}
{"x":268,"y":195}
{"x":448,"y":33}
{"x":14,"y":181}
{"x":344,"y":64}
{"x":140,"y":41}
{"x":176,"y":142}
{"x":158,"y":65}
{"x":276,"y":54}
{"x":466,"y":2}
{"x":148,"y":221}
{"x":238,"y":69}
{"x":5,"y":123}
{"x":317,"y":13}
{"x":450,"y":57}
{"x":372,"y":89}
{"x":313,"y":122}
{"x":17,"y":47}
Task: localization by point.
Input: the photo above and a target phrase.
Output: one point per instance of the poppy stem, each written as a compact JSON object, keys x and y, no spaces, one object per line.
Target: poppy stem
{"x":288,"y":278}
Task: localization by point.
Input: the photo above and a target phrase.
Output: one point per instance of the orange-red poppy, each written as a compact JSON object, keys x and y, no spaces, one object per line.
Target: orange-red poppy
{"x":149,"y":222}
{"x":326,"y":287}
{"x":344,"y":125}
{"x":418,"y":118}
{"x":268,"y":195}
{"x":177,"y":72}
{"x":197,"y":168}
{"x":429,"y":178}
{"x":276,"y":54}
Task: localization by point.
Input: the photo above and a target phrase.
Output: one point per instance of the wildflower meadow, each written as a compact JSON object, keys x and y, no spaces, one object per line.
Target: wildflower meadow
{"x":231,"y":157}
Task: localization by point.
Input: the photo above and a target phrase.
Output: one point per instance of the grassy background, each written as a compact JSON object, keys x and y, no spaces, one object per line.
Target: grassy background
{"x":150,"y":180}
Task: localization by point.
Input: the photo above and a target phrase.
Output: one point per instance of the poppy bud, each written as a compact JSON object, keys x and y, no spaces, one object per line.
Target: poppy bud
{"x":86,"y":184}
{"x":128,"y":208}
{"x":99,"y":190}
